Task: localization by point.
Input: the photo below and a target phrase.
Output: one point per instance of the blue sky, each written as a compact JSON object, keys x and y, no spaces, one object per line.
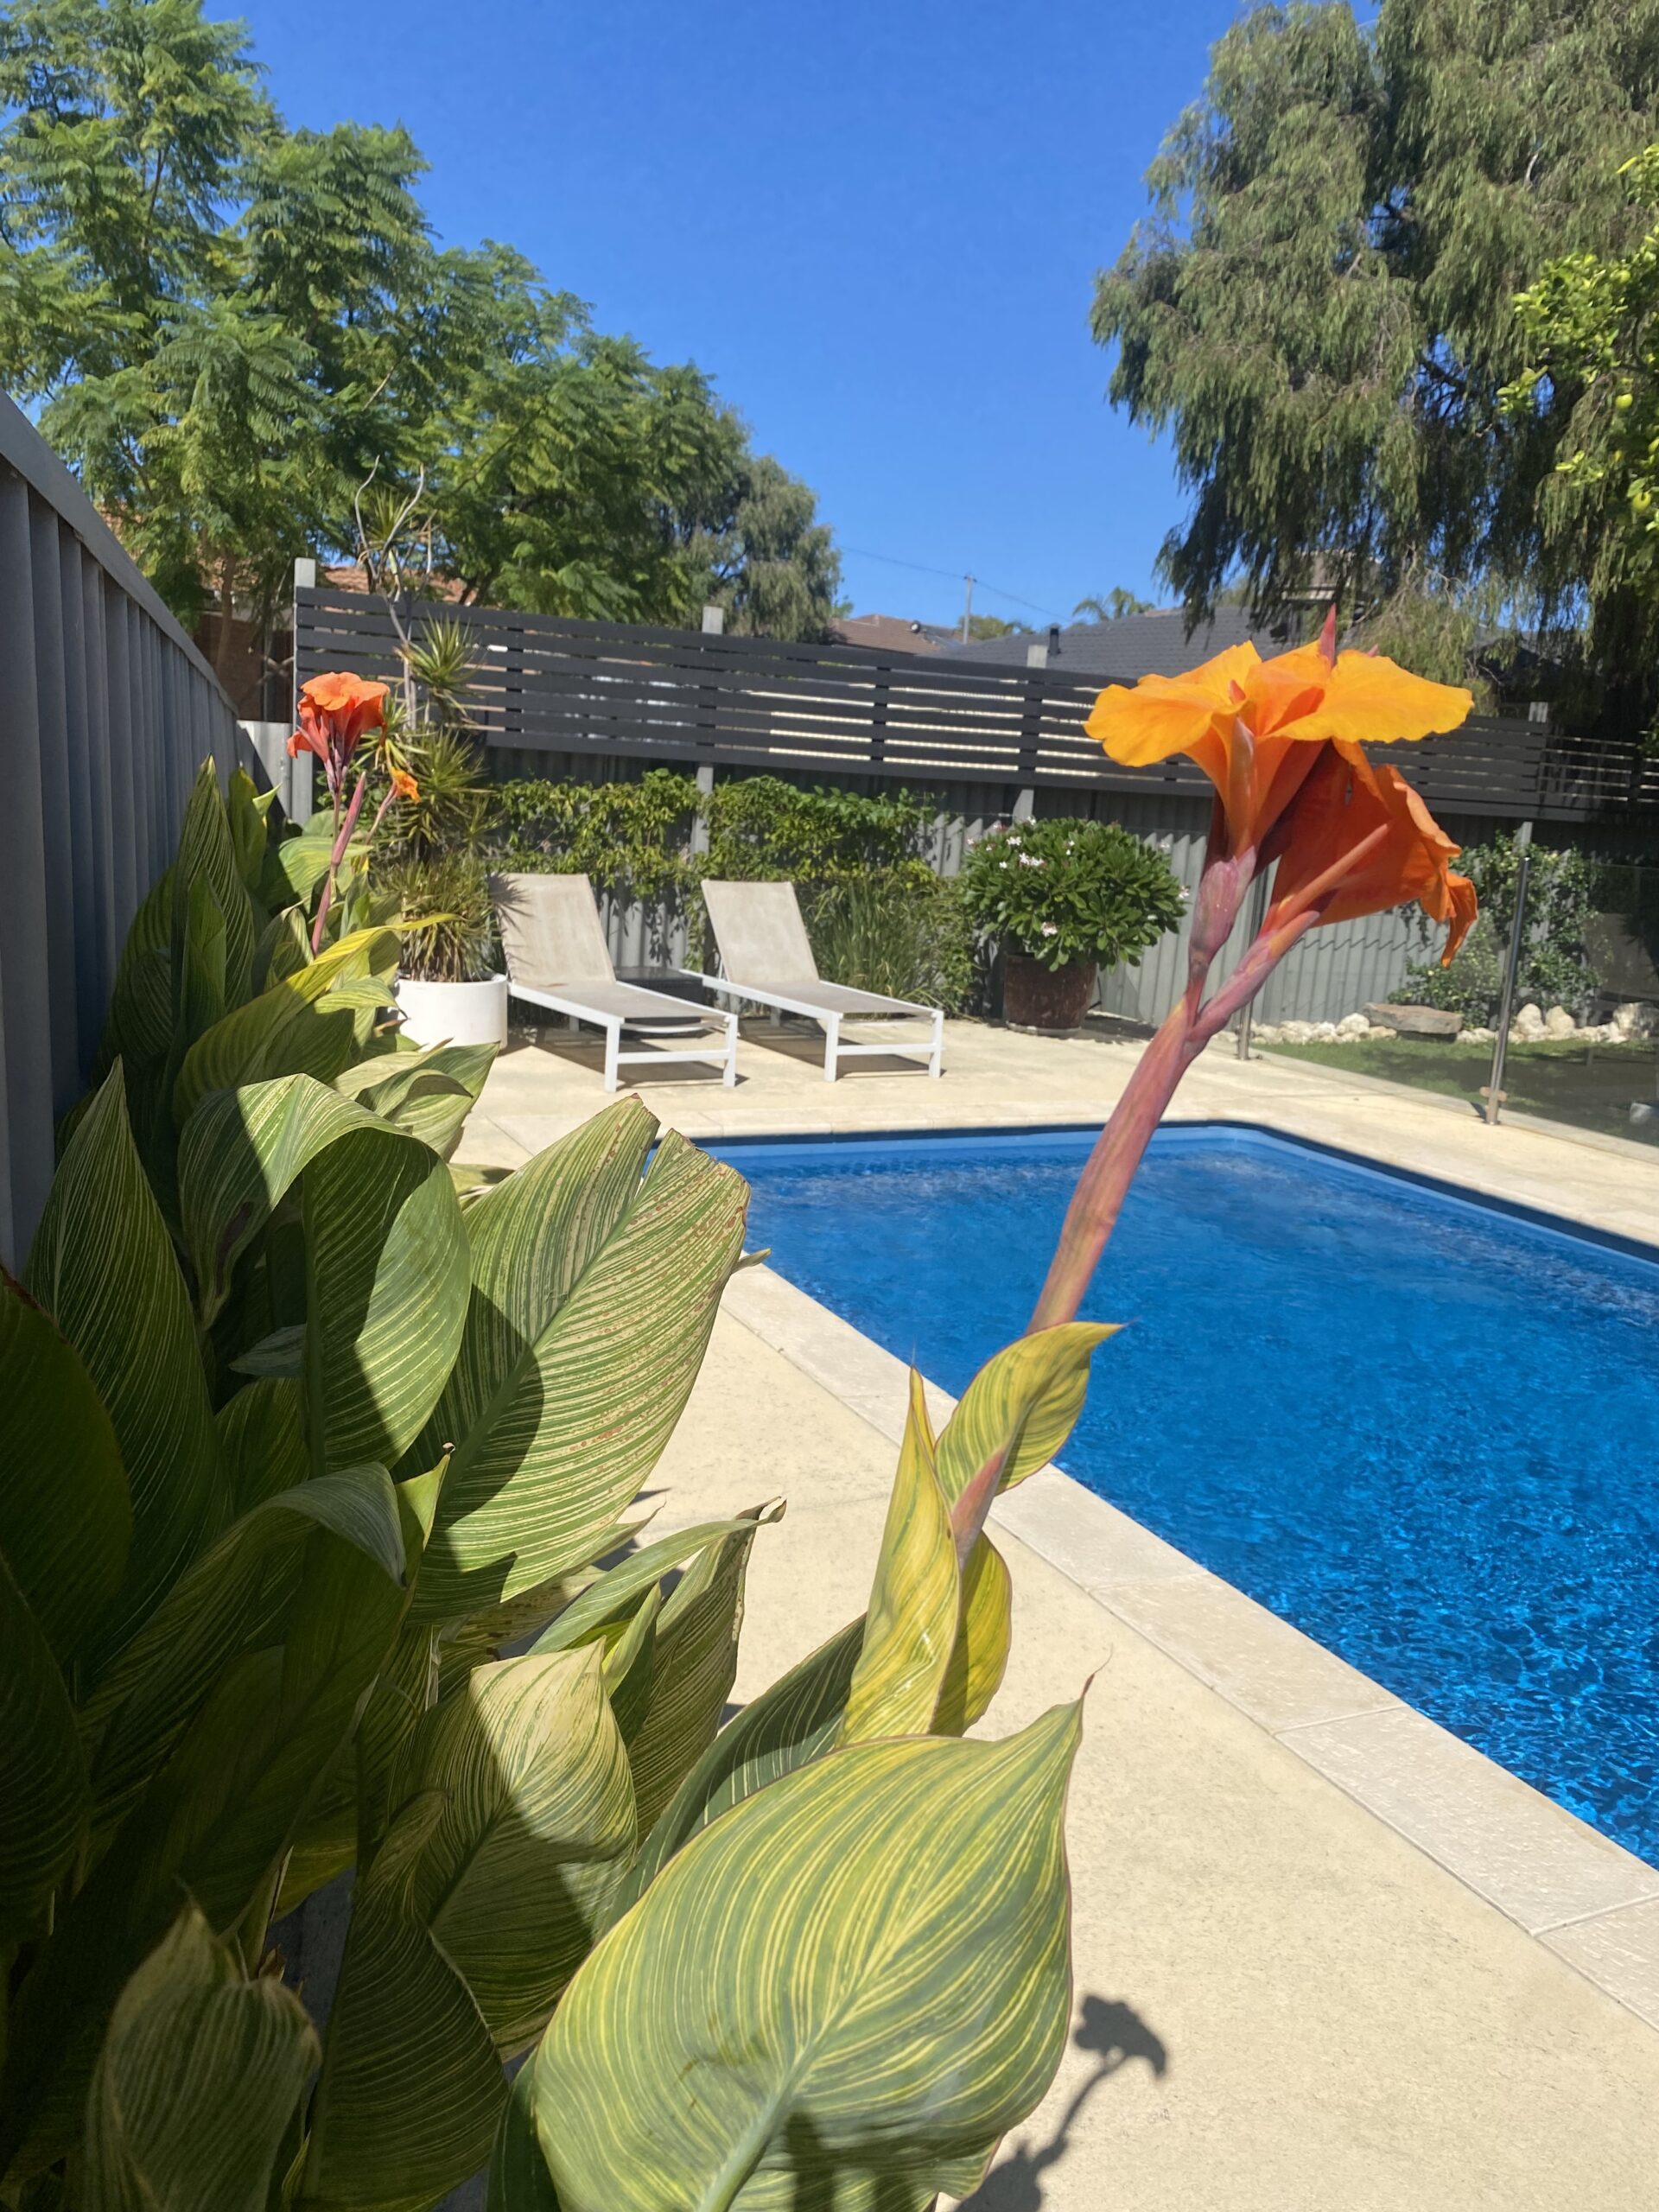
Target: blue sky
{"x":875,"y":224}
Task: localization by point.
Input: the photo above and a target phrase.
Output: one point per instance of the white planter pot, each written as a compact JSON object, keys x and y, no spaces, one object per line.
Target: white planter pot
{"x":453,"y":1014}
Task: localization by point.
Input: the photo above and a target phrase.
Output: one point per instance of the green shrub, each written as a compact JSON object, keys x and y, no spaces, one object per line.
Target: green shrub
{"x":890,"y":934}
{"x":762,"y":829}
{"x":1063,"y":891}
{"x":1554,"y":969}
{"x":631,"y":838}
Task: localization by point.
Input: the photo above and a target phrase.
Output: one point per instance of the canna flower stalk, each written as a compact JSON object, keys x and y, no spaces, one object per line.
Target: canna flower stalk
{"x":336,"y":712}
{"x":1282,"y":741}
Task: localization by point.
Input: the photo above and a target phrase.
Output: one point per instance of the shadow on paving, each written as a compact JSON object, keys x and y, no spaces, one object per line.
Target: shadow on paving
{"x":1116,"y":2032}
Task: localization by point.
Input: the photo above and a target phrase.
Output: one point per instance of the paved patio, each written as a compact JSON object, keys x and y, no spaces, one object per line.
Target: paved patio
{"x":1325,"y":1957}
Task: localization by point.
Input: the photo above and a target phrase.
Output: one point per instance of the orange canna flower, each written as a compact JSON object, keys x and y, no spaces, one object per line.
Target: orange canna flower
{"x":1246,"y":720}
{"x":404,"y":785}
{"x":336,"y":711}
{"x":1345,"y":801}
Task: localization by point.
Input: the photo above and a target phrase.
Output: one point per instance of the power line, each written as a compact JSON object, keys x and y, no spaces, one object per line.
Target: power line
{"x":923,"y":569}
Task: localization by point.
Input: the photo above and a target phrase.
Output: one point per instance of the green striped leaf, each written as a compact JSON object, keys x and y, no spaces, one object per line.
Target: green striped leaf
{"x":386,"y":1294}
{"x":103,"y":1265}
{"x":65,"y":1521}
{"x":204,"y":871}
{"x":557,"y":1420}
{"x":431,"y":1100}
{"x":516,"y":1807}
{"x":911,"y":1627}
{"x":610,"y":1595}
{"x":199,"y":2076}
{"x":854,"y":1984}
{"x":519,"y":2181}
{"x":784,"y":1728}
{"x":400,"y":2125}
{"x":138,"y":1029}
{"x":979,"y":1654}
{"x":214,"y":1823}
{"x":232,"y":1599}
{"x":297,"y":1023}
{"x":43,"y":1797}
{"x":1022,"y":1404}
{"x":241,"y":1153}
{"x":262,"y":1448}
{"x":248,"y":812}
{"x":532,"y":1238}
{"x":693,"y":1665}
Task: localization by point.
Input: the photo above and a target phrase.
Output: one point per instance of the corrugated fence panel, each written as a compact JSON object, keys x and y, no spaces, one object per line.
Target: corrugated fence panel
{"x":109,"y":710}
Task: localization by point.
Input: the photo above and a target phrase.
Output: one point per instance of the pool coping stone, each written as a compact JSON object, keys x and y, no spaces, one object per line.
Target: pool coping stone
{"x":1595,"y":1905}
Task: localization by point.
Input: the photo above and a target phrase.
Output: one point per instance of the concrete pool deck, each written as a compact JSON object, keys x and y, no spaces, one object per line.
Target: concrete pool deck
{"x":1326,"y":1955}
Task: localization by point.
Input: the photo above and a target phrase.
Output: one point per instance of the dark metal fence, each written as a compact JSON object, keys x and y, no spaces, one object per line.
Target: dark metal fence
{"x":543,"y":684}
{"x":108,"y":712}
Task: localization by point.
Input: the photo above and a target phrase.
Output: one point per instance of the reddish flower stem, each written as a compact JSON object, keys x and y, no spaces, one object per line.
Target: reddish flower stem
{"x":338,"y":854}
{"x":1103,"y":1186}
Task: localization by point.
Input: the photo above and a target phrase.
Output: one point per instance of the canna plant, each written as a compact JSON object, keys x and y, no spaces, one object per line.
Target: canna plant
{"x":277,"y":1493}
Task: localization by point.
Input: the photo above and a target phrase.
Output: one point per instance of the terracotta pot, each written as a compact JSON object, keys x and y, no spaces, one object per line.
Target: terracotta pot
{"x":1053,"y":999}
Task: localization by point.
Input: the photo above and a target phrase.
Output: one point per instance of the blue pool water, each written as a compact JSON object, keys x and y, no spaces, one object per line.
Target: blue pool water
{"x":1422,"y":1429}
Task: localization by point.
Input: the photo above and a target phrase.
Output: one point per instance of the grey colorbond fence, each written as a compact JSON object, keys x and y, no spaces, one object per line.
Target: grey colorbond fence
{"x":108,"y":712}
{"x":590,"y":700}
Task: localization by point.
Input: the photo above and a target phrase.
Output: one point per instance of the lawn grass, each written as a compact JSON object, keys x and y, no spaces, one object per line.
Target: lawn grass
{"x":1587,"y":1086}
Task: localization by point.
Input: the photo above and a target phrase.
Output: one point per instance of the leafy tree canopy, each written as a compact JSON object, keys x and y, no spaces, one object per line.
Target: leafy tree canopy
{"x":231,"y":327}
{"x":1591,"y":325}
{"x":1116,"y":602}
{"x":1321,"y":309}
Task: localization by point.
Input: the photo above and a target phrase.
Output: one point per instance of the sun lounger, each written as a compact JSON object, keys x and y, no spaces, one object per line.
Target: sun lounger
{"x":558,"y":957}
{"x":765,"y":958}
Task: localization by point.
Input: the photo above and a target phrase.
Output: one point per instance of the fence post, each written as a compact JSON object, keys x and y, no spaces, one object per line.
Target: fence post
{"x":879,"y":717}
{"x":1506,"y":1004}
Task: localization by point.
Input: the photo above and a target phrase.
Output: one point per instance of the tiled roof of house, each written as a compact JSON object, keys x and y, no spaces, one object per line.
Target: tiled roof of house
{"x":889,"y":633}
{"x":1137,"y":644}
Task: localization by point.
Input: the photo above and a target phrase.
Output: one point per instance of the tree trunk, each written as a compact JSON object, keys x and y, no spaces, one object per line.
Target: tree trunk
{"x":225,"y":635}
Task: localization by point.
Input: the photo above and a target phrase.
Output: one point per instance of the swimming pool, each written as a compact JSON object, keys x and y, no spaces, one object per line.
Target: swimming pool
{"x":1422,"y":1428}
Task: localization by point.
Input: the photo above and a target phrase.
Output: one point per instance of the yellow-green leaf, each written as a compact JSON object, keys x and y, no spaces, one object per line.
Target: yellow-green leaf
{"x":290,"y":1025}
{"x":852,"y":1984}
{"x":788,"y":1724}
{"x":1022,"y":1404}
{"x":199,"y":2076}
{"x":557,"y":1420}
{"x":981,"y":1652}
{"x":517,"y":1806}
{"x":911,"y":1624}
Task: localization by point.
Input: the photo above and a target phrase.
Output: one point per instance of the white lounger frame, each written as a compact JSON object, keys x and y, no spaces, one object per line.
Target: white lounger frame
{"x":613,"y":1025}
{"x":833,"y":1049}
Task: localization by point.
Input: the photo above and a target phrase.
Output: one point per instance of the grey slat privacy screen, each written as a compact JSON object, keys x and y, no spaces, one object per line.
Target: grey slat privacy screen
{"x":106,"y":711}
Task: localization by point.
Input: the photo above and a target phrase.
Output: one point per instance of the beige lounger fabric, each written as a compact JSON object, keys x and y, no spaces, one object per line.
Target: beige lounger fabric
{"x":762,"y":934}
{"x":551,"y":935}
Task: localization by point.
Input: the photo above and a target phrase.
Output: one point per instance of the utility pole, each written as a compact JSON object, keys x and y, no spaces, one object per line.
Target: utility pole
{"x":967,"y":607}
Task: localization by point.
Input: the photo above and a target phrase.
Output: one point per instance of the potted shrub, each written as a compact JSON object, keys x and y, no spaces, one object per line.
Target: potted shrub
{"x":1063,"y":897}
{"x":433,"y":860}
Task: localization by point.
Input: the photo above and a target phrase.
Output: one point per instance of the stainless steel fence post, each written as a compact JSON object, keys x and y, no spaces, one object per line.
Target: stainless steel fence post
{"x":1506,"y":1007}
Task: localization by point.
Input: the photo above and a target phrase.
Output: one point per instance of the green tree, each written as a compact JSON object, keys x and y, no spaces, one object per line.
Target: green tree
{"x":1116,"y":603}
{"x":1321,"y":309}
{"x":231,"y":328}
{"x":763,"y":554}
{"x":1590,"y":324}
